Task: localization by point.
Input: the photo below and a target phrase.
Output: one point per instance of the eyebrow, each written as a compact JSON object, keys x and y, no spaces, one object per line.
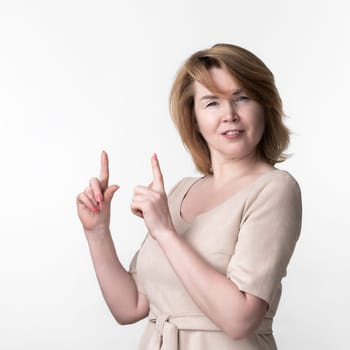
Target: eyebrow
{"x":211,"y":97}
{"x":237,"y":92}
{"x":208,"y":97}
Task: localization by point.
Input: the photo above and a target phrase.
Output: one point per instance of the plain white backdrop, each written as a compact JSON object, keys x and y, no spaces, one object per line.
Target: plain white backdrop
{"x":77,"y":77}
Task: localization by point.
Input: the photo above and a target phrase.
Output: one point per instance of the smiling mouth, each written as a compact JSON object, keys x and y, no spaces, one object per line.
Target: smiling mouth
{"x":232,"y":132}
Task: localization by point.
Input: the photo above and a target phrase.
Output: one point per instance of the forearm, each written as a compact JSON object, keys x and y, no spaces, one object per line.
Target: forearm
{"x":217,"y":296}
{"x":117,"y":285}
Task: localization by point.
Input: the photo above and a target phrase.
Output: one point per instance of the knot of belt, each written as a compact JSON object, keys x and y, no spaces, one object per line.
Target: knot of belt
{"x":166,"y":330}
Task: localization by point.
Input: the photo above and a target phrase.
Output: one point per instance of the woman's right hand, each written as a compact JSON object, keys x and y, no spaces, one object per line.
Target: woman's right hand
{"x":94,"y":203}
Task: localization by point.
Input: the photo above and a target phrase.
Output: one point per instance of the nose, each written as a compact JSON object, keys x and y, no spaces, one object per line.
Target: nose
{"x":230,"y":114}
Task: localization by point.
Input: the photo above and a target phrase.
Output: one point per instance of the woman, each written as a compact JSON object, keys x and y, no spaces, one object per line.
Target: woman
{"x":208,"y":274}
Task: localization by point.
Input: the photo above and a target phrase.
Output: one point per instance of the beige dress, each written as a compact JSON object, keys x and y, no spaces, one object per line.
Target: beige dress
{"x":249,"y":238}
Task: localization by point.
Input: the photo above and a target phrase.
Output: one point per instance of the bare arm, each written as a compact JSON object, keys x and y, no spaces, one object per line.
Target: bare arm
{"x":238,"y":314}
{"x":117,"y":285}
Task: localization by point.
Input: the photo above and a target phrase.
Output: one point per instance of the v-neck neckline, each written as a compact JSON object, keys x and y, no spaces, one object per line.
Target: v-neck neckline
{"x":233,"y":196}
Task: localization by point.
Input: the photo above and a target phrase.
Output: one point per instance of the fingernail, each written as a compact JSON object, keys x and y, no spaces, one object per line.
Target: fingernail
{"x":94,"y":209}
{"x":99,"y":198}
{"x":155,"y":156}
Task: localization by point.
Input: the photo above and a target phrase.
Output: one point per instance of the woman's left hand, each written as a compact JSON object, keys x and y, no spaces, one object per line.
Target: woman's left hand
{"x":151,"y":203}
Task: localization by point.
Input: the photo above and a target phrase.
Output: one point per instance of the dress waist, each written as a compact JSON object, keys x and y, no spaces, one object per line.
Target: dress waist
{"x":166,"y":328}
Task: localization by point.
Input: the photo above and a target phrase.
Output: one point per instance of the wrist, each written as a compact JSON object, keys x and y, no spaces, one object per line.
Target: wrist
{"x":97,"y":235}
{"x":164,"y":237}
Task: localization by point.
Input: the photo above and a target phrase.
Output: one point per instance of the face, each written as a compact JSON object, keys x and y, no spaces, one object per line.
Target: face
{"x":232,"y":124}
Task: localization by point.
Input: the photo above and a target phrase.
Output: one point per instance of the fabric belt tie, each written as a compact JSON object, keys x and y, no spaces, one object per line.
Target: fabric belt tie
{"x":166,"y":331}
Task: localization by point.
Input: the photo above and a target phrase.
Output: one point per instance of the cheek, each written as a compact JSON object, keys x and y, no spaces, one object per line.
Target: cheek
{"x":201,"y":129}
{"x":199,"y":122}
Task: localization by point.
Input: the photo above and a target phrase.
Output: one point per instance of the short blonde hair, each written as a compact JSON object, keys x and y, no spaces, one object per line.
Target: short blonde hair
{"x":256,"y":80}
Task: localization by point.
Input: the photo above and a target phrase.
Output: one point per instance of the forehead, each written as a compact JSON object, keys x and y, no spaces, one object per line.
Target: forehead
{"x":221,"y":83}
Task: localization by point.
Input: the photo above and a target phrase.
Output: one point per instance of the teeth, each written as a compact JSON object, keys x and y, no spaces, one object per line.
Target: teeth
{"x":232,"y":132}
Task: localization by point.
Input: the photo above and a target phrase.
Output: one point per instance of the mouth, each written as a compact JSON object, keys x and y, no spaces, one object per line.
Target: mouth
{"x":232,"y":132}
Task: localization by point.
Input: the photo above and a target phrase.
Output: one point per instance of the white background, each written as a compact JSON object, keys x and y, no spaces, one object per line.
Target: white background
{"x":77,"y":77}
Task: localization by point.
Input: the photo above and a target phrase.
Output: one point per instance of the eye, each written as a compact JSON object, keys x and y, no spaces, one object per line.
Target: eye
{"x":212,"y":104}
{"x":240,"y":98}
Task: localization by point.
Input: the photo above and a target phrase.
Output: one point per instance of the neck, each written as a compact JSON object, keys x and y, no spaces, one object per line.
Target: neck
{"x":225,"y":170}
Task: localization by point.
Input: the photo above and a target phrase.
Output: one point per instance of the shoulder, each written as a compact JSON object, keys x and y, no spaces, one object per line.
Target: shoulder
{"x":275,"y":199}
{"x":276,"y":181}
{"x":277,"y":188}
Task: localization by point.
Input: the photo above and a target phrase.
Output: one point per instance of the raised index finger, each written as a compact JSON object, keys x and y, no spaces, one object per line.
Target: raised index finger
{"x":158,"y":183}
{"x":104,"y":172}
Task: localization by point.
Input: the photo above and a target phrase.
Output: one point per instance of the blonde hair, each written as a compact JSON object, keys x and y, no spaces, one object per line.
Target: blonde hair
{"x":256,"y":80}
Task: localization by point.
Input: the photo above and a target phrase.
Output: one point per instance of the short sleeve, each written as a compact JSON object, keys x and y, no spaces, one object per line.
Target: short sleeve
{"x":269,"y":229}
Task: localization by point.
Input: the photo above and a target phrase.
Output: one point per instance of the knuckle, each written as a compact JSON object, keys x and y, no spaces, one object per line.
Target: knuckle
{"x":160,"y":196}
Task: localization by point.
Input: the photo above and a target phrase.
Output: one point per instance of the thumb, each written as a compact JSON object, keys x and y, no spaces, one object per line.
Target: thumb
{"x":109,"y":193}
